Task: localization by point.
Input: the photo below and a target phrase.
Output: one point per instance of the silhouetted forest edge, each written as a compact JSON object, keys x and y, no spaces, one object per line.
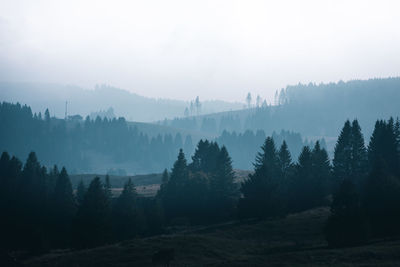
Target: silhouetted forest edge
{"x":361,"y":185}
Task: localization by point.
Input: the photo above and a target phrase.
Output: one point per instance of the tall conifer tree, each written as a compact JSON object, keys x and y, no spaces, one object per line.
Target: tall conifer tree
{"x":260,"y":190}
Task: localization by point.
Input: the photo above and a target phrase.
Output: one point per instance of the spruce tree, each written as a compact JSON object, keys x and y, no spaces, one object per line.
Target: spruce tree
{"x":205,"y":157}
{"x":31,"y":204}
{"x":285,"y":160}
{"x":64,"y":209}
{"x":301,"y":189}
{"x":164,"y":183}
{"x":350,"y":158}
{"x":321,"y":172}
{"x":125,"y":213}
{"x":174,"y":191}
{"x":47,"y":116}
{"x":10,"y":172}
{"x":359,"y":154}
{"x":223,"y":191}
{"x":92,"y":222}
{"x":383,"y":147}
{"x":260,"y":190}
{"x":179,"y":171}
{"x":164,"y":178}
{"x":342,"y":155}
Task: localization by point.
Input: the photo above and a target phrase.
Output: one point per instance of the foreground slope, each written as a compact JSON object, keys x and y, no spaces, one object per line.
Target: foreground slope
{"x":293,"y":241}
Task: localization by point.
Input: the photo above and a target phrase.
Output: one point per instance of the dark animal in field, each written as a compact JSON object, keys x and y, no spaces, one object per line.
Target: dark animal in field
{"x":163,"y":257}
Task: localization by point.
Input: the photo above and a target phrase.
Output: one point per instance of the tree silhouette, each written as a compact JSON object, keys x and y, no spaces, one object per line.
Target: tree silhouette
{"x":350,"y":158}
{"x":342,"y":155}
{"x":63,"y":209}
{"x":260,"y":190}
{"x":223,"y":191}
{"x":92,"y":222}
{"x":359,"y":154}
{"x":174,"y":191}
{"x":383,"y":146}
{"x":248,"y":100}
{"x":125,"y":213}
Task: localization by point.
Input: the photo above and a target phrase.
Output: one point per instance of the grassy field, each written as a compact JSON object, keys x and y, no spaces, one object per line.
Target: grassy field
{"x":146,"y":185}
{"x":296,"y":240}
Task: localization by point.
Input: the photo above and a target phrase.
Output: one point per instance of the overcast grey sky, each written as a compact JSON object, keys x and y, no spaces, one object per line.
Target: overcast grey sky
{"x":215,"y":49}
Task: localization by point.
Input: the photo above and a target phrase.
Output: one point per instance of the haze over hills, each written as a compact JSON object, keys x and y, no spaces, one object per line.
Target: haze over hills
{"x":306,"y":113}
{"x":199,"y":133}
{"x":311,"y":109}
{"x":83,"y":101}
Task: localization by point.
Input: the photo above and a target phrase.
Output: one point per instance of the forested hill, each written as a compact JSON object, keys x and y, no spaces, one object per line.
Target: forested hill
{"x":133,"y":107}
{"x":313,"y":110}
{"x":116,"y":146}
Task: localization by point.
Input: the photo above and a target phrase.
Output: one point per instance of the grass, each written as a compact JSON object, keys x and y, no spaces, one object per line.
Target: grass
{"x":296,"y":240}
{"x":147,"y":185}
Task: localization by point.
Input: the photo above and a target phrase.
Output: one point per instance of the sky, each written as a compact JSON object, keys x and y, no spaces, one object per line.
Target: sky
{"x":214,"y":49}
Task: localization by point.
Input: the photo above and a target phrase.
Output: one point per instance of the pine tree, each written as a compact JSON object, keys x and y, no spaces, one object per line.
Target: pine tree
{"x":174,"y":190}
{"x":383,"y":147}
{"x":350,"y":159}
{"x":267,"y":159}
{"x":92,"y":222}
{"x":47,"y":116}
{"x":321,"y":172}
{"x":261,"y":190}
{"x":125,"y":213}
{"x":285,"y":160}
{"x":165,"y":177}
{"x":359,"y":154}
{"x":10,"y":174}
{"x":31,"y":203}
{"x":179,"y":171}
{"x":301,"y":188}
{"x":63,"y":209}
{"x":223,"y":191}
{"x":205,"y":157}
{"x":164,"y":184}
{"x":342,"y":155}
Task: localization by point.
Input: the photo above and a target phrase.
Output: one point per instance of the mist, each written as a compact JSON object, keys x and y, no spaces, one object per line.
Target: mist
{"x":199,"y":133}
{"x":212,"y":49}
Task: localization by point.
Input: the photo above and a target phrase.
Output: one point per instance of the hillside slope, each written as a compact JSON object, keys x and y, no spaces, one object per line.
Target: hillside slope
{"x":312,"y":110}
{"x":293,"y":241}
{"x":81,"y":101}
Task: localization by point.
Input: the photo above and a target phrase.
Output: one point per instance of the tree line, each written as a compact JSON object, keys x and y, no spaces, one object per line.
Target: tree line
{"x":43,"y":211}
{"x":79,"y":144}
{"x":76,"y":144}
{"x":366,"y":200}
{"x":311,"y":109}
{"x":362,"y":185}
{"x":244,"y":146}
{"x":202,"y":191}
